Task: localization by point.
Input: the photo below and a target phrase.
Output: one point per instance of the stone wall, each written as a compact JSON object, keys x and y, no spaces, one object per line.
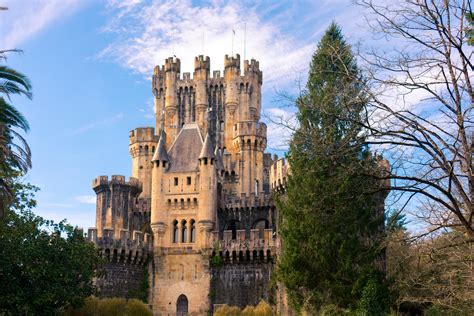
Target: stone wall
{"x":241,"y":284}
{"x":120,"y":279}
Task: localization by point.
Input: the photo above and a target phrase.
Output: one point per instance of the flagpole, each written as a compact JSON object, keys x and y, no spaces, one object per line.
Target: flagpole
{"x":233,"y":35}
{"x":245,"y":39}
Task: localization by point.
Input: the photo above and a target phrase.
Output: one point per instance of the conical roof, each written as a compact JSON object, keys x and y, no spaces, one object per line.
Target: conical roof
{"x":160,"y":152}
{"x":206,"y":151}
{"x":219,"y":163}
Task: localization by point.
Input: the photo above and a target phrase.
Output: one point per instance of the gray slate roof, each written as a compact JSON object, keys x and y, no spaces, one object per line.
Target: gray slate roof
{"x":160,"y":152}
{"x":207,"y":150}
{"x":184,"y":151}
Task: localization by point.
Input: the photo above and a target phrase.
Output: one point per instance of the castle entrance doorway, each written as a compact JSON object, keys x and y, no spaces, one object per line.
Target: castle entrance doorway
{"x":182,"y":305}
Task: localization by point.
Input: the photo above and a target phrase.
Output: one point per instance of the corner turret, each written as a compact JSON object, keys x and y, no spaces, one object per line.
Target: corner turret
{"x":172,"y":69}
{"x":142,"y":145}
{"x":202,"y":66}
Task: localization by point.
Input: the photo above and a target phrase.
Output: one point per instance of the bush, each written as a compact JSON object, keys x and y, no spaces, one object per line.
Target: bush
{"x":263,"y":309}
{"x":226,"y":310}
{"x":110,"y":307}
{"x":248,"y":311}
{"x":137,"y":308}
{"x":332,"y":310}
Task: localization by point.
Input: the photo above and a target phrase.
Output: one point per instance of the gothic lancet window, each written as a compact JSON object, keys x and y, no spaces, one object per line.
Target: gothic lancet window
{"x":175,"y":231}
{"x":192,"y":231}
{"x":184,"y":231}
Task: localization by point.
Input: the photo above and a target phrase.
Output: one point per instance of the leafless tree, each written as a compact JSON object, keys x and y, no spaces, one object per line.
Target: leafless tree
{"x":420,"y":114}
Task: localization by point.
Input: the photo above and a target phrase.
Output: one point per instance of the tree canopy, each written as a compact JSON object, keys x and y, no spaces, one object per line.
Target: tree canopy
{"x":329,"y":218}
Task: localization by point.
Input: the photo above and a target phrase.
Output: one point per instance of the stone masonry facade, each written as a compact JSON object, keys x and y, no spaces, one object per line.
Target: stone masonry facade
{"x":196,"y":216}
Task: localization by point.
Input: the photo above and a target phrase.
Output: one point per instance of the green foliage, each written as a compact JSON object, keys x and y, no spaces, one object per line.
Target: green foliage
{"x":332,"y":310}
{"x":15,"y":155}
{"x":328,"y":211}
{"x":374,"y":299}
{"x":470,"y":28}
{"x":141,"y":292}
{"x":46,"y":265}
{"x":226,"y":310}
{"x":136,"y":308}
{"x":110,"y":307}
{"x":216,"y":260}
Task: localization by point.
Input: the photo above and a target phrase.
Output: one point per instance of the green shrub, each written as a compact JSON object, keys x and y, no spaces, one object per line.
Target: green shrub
{"x":137,"y":308}
{"x":226,"y":310}
{"x":248,"y":311}
{"x":263,"y":309}
{"x":110,"y":307}
{"x":332,"y":310}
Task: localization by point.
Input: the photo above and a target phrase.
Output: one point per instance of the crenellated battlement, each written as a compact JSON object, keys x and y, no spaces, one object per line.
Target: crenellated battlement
{"x":252,"y":68}
{"x":202,"y":63}
{"x":232,"y":62}
{"x":248,"y":201}
{"x":134,"y":247}
{"x":250,"y":128}
{"x":236,"y":247}
{"x":143,"y":134}
{"x":216,"y":74}
{"x":116,"y":180}
{"x":279,"y":171}
{"x":172,"y":64}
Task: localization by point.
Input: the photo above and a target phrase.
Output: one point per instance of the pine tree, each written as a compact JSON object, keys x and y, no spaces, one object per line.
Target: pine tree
{"x":327,"y":212}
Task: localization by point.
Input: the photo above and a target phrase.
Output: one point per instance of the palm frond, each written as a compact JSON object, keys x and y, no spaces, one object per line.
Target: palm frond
{"x":9,"y":87}
{"x":9,"y":115}
{"x":9,"y":74}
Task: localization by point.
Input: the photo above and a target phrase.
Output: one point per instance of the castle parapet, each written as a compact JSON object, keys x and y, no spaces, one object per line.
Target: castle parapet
{"x":102,"y":181}
{"x":279,"y":172}
{"x":128,"y":248}
{"x":232,"y":62}
{"x":248,"y":201}
{"x":261,"y":246}
{"x":143,"y":134}
{"x":250,"y":128}
{"x":251,"y":68}
{"x":202,"y":63}
{"x":172,"y":65}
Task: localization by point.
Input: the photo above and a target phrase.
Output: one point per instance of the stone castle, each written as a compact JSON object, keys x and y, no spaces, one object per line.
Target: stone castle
{"x":196,"y":221}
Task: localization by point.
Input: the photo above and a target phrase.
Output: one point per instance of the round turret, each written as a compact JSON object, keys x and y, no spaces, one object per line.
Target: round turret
{"x":142,"y":146}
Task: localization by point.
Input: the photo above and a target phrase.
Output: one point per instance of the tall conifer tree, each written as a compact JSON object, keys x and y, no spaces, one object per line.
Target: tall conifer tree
{"x":327,"y":212}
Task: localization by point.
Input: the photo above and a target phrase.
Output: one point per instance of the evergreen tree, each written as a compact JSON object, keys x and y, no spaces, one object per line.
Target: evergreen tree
{"x":327,"y":212}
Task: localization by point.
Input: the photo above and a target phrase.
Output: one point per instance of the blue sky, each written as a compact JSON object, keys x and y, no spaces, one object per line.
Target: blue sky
{"x":90,"y":63}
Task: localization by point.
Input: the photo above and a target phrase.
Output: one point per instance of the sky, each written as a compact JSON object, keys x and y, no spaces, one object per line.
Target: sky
{"x":90,"y":63}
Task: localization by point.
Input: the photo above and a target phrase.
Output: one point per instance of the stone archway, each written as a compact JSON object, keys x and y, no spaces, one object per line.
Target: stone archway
{"x":182,"y":305}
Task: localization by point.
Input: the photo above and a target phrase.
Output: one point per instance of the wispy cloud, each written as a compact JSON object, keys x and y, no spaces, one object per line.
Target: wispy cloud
{"x":104,"y":122}
{"x":85,"y":199}
{"x":148,"y":33}
{"x":25,"y":18}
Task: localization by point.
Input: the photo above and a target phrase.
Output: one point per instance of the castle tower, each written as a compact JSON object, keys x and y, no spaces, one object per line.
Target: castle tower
{"x":201,"y":77}
{"x":142,"y":146}
{"x":207,"y":209}
{"x":158,"y":206}
{"x":115,"y":201}
{"x":172,"y":71}
{"x":231,"y":79}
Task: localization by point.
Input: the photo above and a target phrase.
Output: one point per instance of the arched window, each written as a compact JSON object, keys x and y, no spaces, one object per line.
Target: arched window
{"x":175,"y":231}
{"x":182,"y":305}
{"x":184,"y":231}
{"x":257,"y":187}
{"x":192,"y":232}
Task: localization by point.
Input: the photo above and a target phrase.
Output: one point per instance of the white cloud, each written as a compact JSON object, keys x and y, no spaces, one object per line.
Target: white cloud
{"x":147,"y":34}
{"x":106,"y":121}
{"x":24,"y":19}
{"x":86,"y":199}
